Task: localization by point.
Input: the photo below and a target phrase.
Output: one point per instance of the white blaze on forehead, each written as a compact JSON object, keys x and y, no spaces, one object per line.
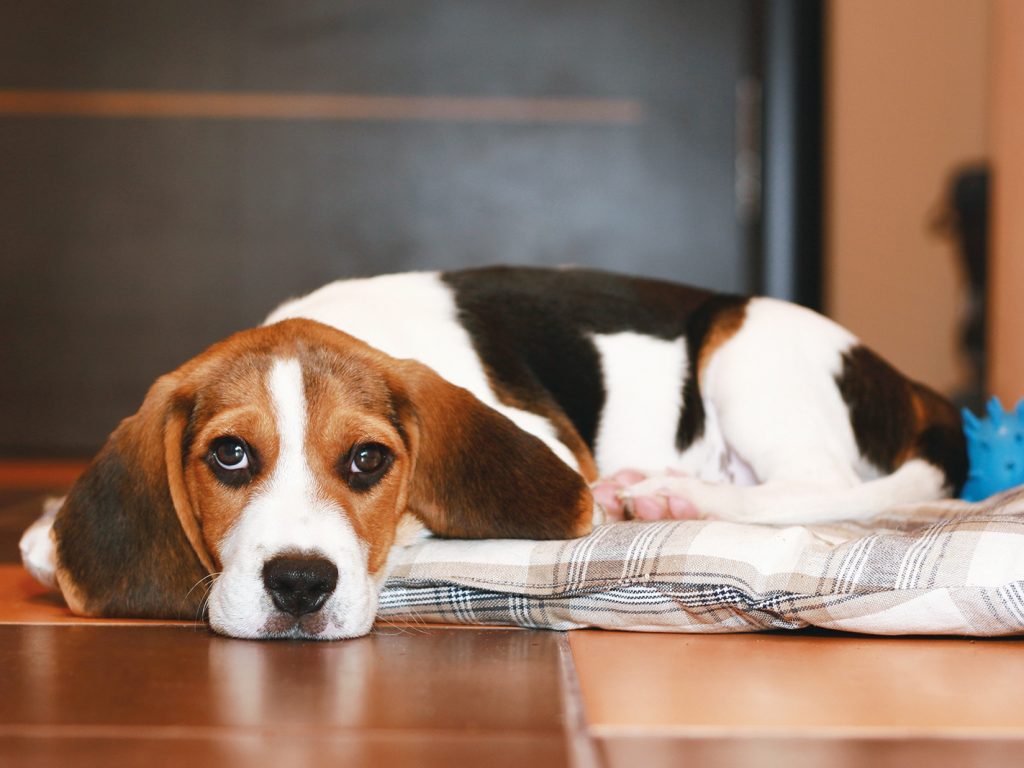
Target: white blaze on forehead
{"x":289,"y":401}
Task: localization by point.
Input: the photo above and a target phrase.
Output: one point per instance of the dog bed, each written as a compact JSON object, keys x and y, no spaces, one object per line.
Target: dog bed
{"x":942,"y":568}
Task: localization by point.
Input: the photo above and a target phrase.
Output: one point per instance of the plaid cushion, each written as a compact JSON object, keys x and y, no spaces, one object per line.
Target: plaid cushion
{"x":942,"y":568}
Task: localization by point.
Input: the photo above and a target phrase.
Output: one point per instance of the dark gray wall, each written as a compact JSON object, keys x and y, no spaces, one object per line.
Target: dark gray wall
{"x":129,"y":243}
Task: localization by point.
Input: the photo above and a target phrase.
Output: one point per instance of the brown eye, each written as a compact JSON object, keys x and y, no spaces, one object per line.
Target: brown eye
{"x":368,"y":458}
{"x":232,"y":461}
{"x":365,"y":464}
{"x":230,"y":453}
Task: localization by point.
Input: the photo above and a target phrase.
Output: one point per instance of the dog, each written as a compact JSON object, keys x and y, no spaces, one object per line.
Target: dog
{"x":265,"y":481}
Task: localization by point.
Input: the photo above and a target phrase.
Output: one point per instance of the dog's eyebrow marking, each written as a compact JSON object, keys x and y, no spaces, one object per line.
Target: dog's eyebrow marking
{"x":287,"y":394}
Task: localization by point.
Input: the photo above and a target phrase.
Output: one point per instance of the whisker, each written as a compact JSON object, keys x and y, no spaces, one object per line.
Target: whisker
{"x":207,"y":583}
{"x":207,"y":577}
{"x":201,"y":610}
{"x":418,"y":626}
{"x":382,"y":621}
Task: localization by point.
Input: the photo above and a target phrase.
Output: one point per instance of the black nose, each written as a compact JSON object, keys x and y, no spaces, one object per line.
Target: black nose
{"x":299,"y":584}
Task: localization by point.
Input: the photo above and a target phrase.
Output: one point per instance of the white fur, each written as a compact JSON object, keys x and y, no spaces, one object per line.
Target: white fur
{"x":38,"y":552}
{"x":801,"y":501}
{"x":643,"y":385}
{"x":712,"y":457}
{"x":773,"y":386}
{"x":289,"y":514}
{"x":643,"y":380}
{"x":413,"y":315}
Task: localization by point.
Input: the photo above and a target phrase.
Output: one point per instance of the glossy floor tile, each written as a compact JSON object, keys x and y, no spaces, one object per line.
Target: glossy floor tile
{"x":799,"y":686}
{"x":458,"y":680}
{"x":447,"y":693}
{"x":423,"y":750}
{"x":655,"y":752}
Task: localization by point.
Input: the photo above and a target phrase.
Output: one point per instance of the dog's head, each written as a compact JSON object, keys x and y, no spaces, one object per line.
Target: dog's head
{"x":269,"y":475}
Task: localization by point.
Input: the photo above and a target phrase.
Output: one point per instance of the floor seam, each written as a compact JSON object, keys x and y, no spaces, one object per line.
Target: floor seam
{"x":581,"y":744}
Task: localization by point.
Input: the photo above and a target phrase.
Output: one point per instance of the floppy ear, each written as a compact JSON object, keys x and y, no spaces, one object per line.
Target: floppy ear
{"x":477,"y":475}
{"x":127,"y":541}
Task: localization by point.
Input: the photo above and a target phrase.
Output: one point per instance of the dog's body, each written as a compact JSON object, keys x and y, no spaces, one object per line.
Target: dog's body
{"x":752,"y":410}
{"x":283,"y":458}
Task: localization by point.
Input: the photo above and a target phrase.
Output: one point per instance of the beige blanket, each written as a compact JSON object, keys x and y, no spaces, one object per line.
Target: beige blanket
{"x":941,"y":568}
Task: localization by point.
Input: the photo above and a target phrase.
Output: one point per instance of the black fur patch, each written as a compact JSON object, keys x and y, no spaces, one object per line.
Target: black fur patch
{"x":881,"y":410}
{"x":699,"y":325}
{"x":531,"y":328}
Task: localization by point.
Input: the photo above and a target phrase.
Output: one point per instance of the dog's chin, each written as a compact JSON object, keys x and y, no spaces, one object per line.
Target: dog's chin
{"x":335,"y":621}
{"x":284,"y":626}
{"x":312,"y":625}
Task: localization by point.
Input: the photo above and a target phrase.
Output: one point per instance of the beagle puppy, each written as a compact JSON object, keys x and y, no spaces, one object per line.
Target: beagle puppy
{"x":264,"y":481}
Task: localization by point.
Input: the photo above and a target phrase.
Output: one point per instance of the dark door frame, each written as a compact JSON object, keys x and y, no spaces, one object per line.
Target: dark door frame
{"x":791,"y":240}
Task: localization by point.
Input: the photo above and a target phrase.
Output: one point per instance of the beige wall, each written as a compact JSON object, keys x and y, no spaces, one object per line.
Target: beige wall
{"x":907,"y":104}
{"x":1006,"y":310}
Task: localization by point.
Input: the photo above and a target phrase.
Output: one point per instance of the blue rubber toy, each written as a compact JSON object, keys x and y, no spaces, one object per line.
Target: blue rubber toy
{"x":995,"y":450}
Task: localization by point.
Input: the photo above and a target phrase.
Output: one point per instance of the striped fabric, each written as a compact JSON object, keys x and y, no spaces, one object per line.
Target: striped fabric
{"x":942,"y":568}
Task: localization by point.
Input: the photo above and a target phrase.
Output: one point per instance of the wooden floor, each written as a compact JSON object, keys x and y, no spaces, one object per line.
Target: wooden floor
{"x":106,"y":693}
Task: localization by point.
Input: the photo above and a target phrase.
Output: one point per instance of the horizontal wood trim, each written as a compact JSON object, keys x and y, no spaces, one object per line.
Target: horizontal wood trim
{"x":338,"y":107}
{"x":28,"y":474}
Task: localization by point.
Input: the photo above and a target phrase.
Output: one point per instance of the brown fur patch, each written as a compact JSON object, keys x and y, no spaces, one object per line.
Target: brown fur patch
{"x":73,"y":596}
{"x":478,"y":475}
{"x":724,"y":325}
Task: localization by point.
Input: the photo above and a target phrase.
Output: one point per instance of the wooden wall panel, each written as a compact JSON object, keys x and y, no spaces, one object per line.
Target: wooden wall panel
{"x":907,"y":107}
{"x":1006,"y":308}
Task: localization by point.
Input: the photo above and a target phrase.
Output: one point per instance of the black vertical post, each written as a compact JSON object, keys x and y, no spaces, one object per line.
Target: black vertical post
{"x":793,"y":174}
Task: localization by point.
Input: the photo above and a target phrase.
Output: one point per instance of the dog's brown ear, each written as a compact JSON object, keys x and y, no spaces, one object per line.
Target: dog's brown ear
{"x":127,"y":541}
{"x":477,"y":475}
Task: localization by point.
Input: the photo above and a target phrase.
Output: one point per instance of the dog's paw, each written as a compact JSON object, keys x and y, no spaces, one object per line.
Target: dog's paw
{"x":608,"y":492}
{"x":670,"y":497}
